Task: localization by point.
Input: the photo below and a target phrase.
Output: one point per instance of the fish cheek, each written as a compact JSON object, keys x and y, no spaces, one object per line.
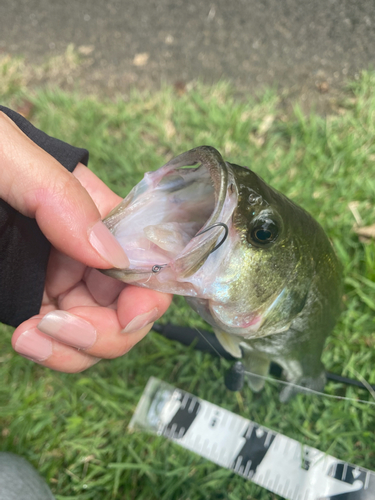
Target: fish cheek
{"x":259,"y":285}
{"x":264,"y":277}
{"x":275,"y":286}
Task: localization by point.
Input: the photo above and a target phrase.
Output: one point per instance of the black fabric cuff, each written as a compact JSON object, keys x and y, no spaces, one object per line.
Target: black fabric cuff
{"x":24,"y":250}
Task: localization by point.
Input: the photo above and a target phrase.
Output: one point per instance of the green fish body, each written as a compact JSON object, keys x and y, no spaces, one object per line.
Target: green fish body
{"x":257,"y":267}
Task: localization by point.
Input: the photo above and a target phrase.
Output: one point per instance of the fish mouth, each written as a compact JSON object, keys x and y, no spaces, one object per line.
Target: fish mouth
{"x":174,"y":220}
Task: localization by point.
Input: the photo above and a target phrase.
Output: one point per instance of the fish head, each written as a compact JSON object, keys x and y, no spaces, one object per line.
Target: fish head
{"x":218,"y":234}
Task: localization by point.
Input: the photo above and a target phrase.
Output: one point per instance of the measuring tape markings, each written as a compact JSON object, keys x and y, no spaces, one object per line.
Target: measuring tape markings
{"x":271,"y":460}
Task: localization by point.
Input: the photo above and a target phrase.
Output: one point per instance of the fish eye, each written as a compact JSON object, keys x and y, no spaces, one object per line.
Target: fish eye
{"x":263,"y":233}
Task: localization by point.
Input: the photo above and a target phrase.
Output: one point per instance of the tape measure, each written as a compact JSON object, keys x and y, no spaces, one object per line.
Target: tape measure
{"x":276,"y":462}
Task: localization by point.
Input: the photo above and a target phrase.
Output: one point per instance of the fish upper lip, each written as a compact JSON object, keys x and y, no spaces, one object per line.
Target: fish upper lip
{"x":212,"y":160}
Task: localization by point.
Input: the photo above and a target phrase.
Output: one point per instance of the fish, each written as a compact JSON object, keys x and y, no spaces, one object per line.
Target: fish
{"x":254,"y":265}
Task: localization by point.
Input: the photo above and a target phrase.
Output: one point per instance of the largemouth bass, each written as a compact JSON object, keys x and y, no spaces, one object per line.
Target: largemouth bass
{"x":257,"y":267}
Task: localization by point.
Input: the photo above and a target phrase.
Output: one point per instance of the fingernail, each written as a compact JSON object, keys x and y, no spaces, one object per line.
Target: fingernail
{"x":33,"y":345}
{"x":68,"y":329}
{"x":141,"y":321}
{"x":107,"y":246}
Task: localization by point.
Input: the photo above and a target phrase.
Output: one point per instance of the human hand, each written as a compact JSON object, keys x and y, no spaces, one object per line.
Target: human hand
{"x":85,"y":315}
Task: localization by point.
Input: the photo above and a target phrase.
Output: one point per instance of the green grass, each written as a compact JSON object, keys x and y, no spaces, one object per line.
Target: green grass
{"x":73,"y":428}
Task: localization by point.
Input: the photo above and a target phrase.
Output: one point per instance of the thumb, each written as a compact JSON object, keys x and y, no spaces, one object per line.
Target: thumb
{"x":38,"y":186}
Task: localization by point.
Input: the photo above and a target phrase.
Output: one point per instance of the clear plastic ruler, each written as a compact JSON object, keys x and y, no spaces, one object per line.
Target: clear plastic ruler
{"x":276,"y":462}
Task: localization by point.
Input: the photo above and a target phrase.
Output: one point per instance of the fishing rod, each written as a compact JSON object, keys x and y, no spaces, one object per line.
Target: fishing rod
{"x":205,"y":341}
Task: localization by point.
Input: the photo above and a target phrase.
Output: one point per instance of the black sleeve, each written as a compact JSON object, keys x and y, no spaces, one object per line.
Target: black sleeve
{"x":24,"y":250}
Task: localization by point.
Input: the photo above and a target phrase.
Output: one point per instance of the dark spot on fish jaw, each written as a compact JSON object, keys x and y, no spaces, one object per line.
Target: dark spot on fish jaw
{"x":259,"y":290}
